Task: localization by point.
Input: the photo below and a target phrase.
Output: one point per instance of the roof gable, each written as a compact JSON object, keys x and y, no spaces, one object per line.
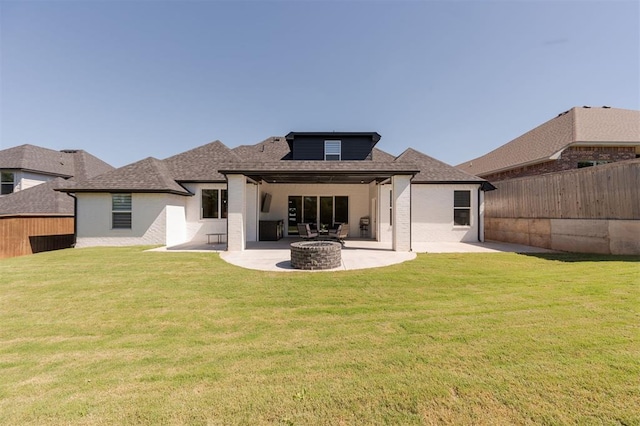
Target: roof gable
{"x":432,"y":170}
{"x":148,"y":175}
{"x":200,"y":164}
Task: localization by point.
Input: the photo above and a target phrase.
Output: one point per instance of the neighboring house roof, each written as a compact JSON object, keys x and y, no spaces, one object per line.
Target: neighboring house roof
{"x":148,"y":175}
{"x":39,"y":199}
{"x":67,"y":163}
{"x":432,"y":170}
{"x":579,"y":126}
{"x":200,"y":164}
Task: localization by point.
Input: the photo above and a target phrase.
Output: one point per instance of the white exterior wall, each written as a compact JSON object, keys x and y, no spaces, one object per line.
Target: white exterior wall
{"x":197,"y":228}
{"x":148,"y":220}
{"x":432,"y":214}
{"x":358,"y":194}
{"x":26,"y":180}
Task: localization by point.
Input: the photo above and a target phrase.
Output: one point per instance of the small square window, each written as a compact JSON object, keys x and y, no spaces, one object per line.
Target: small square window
{"x":332,"y":150}
{"x":7,"y":184}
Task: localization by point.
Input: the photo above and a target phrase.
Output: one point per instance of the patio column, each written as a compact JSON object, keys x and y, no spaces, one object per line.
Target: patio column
{"x":236,"y":212}
{"x":401,"y":187}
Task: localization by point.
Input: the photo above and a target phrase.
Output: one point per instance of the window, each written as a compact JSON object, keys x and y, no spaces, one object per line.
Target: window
{"x":7,"y":183}
{"x":214,"y":203}
{"x":462,"y":208}
{"x":121,"y":211}
{"x":582,"y":164}
{"x":332,"y":150}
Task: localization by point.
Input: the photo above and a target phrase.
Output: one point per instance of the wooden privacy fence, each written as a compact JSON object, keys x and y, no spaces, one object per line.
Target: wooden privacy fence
{"x":21,"y":235}
{"x":610,"y":191}
{"x":590,"y":210}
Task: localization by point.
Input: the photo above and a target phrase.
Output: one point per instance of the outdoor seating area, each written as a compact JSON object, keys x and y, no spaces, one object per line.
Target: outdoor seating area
{"x":338,"y":233}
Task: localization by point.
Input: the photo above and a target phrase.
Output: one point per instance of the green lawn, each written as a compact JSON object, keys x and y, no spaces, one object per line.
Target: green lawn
{"x":122,"y":336}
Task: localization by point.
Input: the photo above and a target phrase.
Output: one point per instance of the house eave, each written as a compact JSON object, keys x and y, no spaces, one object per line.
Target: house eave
{"x":124,"y":190}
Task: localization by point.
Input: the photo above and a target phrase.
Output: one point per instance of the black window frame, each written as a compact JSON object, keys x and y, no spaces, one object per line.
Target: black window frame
{"x":7,"y":186}
{"x":462,"y":208}
{"x":218,"y":205}
{"x":121,"y":211}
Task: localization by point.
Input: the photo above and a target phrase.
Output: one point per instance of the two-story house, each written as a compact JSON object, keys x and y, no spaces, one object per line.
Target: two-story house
{"x":33,"y":216}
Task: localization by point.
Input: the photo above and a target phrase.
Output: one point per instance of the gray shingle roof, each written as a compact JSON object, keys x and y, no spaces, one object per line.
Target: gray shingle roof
{"x":605,"y":126}
{"x":268,"y":159}
{"x":432,"y":170}
{"x":148,"y":175}
{"x":200,"y":164}
{"x":39,"y":199}
{"x":274,"y":148}
{"x":77,"y":163}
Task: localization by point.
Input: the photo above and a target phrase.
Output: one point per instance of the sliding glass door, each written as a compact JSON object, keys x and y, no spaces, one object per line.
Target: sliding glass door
{"x":318,"y":211}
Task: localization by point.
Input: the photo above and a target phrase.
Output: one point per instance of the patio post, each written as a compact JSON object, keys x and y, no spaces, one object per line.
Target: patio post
{"x":401,"y":187}
{"x":236,"y":218}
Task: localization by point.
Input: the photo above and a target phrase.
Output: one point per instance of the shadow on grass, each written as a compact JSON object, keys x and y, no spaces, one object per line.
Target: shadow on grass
{"x":584,"y":257}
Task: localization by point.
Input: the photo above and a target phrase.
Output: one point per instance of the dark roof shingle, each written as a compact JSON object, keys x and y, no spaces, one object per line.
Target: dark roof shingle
{"x":200,"y":164}
{"x":148,"y":175}
{"x":39,"y":199}
{"x":68,"y":163}
{"x":432,"y":170}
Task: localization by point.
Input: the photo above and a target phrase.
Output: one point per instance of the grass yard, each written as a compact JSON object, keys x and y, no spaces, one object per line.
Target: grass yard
{"x":122,"y":336}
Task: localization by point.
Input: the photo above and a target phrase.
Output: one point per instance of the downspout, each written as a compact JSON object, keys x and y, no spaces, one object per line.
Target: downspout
{"x":75,"y":218}
{"x":480,"y":221}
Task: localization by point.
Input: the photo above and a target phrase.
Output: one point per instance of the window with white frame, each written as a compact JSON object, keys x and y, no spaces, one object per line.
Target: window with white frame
{"x":462,"y":208}
{"x":214,"y":203}
{"x":7,"y":182}
{"x":332,"y":150}
{"x":121,"y":211}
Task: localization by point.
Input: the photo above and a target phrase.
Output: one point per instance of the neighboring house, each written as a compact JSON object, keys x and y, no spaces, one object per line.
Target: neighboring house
{"x":305,"y":177}
{"x":580,"y":137}
{"x":33,"y":216}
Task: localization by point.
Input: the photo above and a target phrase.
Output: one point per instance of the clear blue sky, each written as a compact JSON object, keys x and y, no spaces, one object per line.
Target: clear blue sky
{"x":126,"y":80}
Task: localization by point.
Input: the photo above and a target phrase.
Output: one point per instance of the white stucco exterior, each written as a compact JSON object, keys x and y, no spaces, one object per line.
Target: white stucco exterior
{"x":24,"y":180}
{"x":432,"y":214}
{"x":149,"y":220}
{"x":400,"y":212}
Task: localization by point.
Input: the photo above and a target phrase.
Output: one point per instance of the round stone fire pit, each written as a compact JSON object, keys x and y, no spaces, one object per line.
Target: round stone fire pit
{"x":311,"y":255}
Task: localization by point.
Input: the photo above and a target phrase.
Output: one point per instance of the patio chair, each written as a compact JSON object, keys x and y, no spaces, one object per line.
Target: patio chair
{"x":305,"y":232}
{"x":341,"y":233}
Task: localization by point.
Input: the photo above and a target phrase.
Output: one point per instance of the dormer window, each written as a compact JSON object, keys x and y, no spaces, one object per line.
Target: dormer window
{"x":7,"y":183}
{"x":332,"y":150}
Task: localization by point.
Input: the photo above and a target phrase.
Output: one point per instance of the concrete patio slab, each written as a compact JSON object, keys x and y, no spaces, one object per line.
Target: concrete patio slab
{"x":356,"y":254}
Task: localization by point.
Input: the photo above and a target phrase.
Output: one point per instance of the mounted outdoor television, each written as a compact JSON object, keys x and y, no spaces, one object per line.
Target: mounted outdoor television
{"x":266,"y":203}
